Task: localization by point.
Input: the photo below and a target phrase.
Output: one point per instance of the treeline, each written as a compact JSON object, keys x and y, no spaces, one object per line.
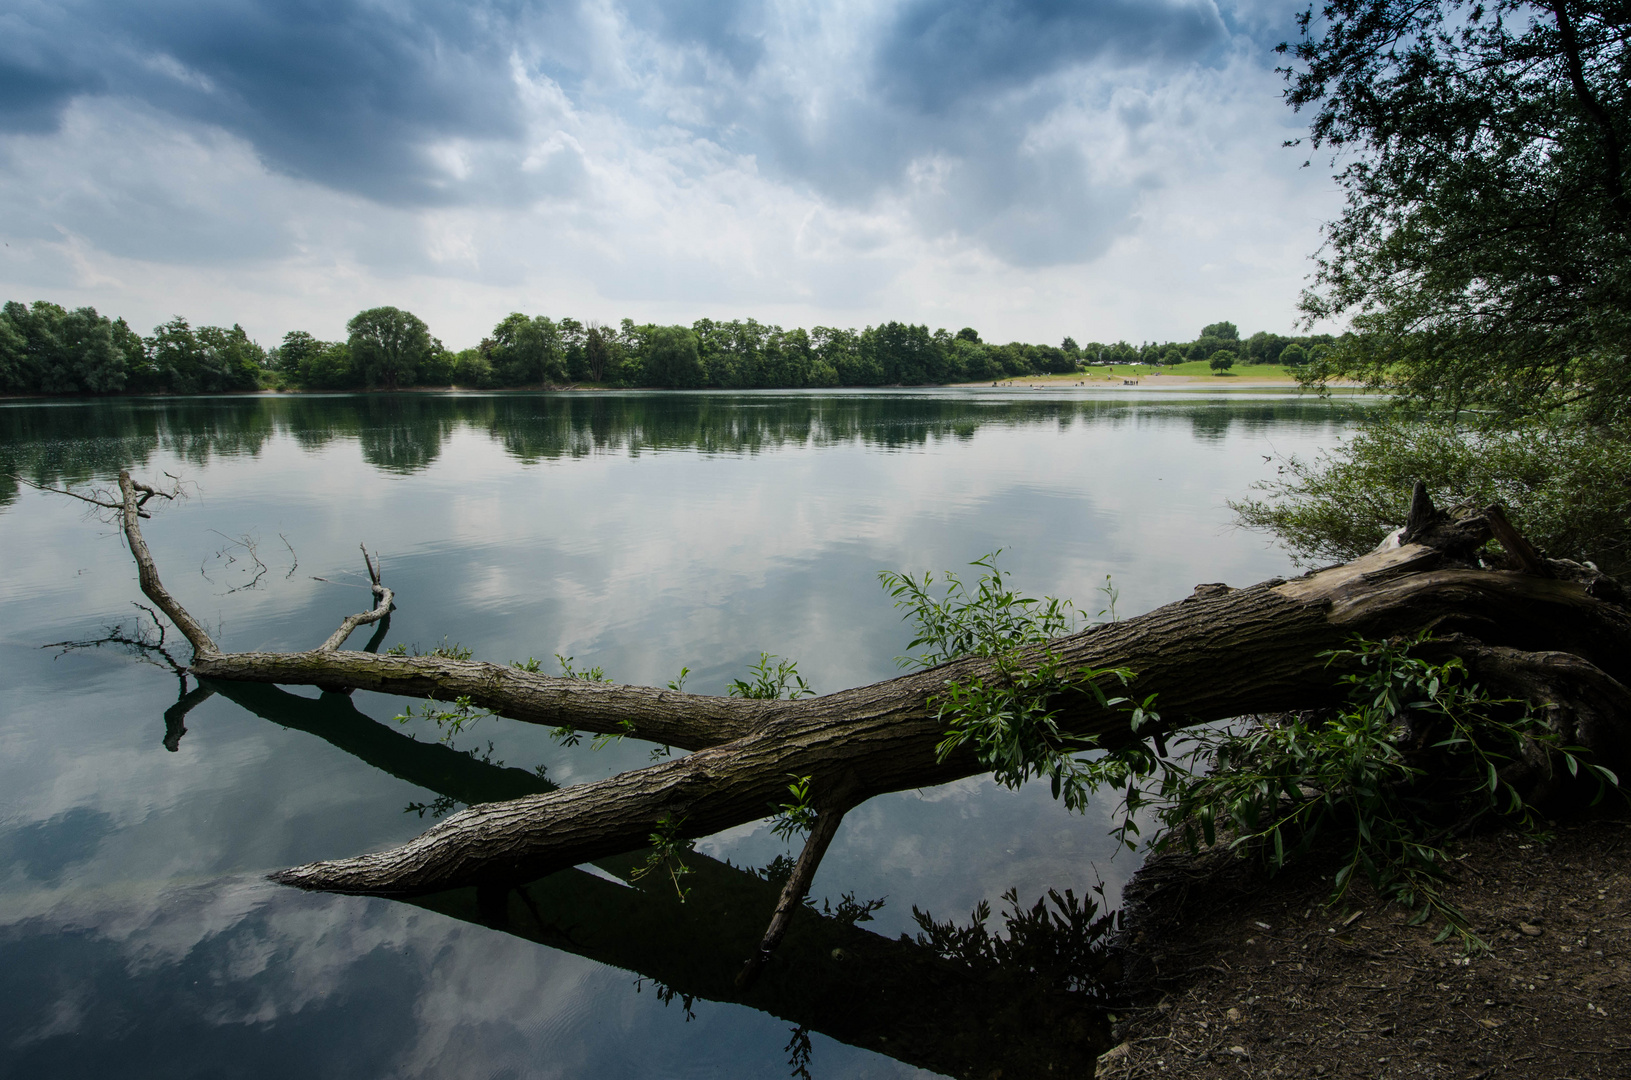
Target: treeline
{"x":1219,"y":344}
{"x":48,"y":349}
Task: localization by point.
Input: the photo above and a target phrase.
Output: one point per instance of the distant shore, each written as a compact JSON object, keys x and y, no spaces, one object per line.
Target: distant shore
{"x":1091,"y":379}
{"x":1154,"y":380}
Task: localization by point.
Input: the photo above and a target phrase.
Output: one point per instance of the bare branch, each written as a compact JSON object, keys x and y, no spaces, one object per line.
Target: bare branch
{"x":101,"y":496}
{"x":381,"y":609}
{"x":828,"y":818}
{"x":250,"y":545}
{"x":296,"y":565}
{"x":148,"y":574}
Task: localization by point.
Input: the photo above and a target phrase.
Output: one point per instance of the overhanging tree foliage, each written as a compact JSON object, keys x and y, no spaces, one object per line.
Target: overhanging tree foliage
{"x":1484,"y":253}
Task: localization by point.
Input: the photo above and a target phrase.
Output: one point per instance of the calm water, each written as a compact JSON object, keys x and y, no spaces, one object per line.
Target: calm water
{"x":640,"y":532}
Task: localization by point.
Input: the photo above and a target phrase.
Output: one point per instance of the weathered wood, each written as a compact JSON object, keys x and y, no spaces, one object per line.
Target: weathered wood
{"x":147,"y":574}
{"x":381,"y":608}
{"x":1257,"y":649}
{"x":828,"y":818}
{"x":1218,"y":654}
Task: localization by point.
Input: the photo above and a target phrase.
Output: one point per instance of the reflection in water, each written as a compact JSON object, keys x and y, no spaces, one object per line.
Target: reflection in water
{"x":957,"y":1000}
{"x":403,"y":433}
{"x":133,"y":918}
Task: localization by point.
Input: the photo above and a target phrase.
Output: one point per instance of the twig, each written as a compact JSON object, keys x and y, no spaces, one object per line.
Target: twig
{"x":248,"y":544}
{"x":106,"y":500}
{"x":376,"y":613}
{"x":331,"y":581}
{"x":292,"y":555}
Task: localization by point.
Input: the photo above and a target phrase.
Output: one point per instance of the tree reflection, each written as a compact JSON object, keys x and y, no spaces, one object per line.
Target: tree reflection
{"x":956,"y":1000}
{"x":405,"y":433}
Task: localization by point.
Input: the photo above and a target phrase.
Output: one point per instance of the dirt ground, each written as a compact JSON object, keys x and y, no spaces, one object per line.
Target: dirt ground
{"x":1235,"y":975}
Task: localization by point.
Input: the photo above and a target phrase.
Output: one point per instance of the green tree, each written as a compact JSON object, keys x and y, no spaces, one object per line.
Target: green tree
{"x":47,"y":349}
{"x":1484,"y":251}
{"x":14,"y":361}
{"x":1221,"y":361}
{"x":525,"y":351}
{"x":298,"y":347}
{"x":317,"y":365}
{"x":600,"y":349}
{"x":208,"y":360}
{"x":1483,"y":256}
{"x":1264,"y":348}
{"x":472,"y":369}
{"x":671,"y":358}
{"x":1224,"y":331}
{"x":388,"y":345}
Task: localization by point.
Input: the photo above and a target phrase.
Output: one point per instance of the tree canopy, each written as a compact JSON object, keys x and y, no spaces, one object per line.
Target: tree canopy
{"x":1484,"y":251}
{"x":389,"y":344}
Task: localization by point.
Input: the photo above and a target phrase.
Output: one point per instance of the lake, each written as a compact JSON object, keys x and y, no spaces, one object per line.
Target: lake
{"x":640,"y":532}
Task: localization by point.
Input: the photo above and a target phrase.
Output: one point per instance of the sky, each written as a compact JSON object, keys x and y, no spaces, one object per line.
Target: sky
{"x":1104,"y":169}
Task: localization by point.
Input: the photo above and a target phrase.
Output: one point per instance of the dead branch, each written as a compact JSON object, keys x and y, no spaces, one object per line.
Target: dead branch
{"x":135,"y":497}
{"x":384,"y":597}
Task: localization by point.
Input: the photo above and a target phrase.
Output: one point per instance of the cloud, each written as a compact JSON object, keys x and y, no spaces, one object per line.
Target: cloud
{"x":348,"y":94}
{"x":805,"y":162}
{"x":940,"y":55}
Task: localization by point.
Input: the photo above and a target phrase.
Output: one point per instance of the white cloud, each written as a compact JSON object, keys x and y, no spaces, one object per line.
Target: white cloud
{"x":797,"y":164}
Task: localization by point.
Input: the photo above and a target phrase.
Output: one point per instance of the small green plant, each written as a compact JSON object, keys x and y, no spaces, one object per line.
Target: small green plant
{"x":464,"y":714}
{"x":798,"y":816}
{"x":991,"y":618}
{"x":770,"y":681}
{"x":1414,"y":756}
{"x":568,"y":736}
{"x":529,"y":665}
{"x":1012,"y":721}
{"x":451,"y":650}
{"x":678,"y":684}
{"x":594,"y":674}
{"x":1010,"y":718}
{"x":1111,"y":595}
{"x":668,"y":850}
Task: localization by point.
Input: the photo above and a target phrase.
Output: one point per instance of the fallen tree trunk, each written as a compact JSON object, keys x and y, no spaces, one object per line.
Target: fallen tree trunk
{"x":1562,"y":640}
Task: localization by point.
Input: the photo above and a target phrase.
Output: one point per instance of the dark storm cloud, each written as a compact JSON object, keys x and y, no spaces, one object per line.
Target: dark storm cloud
{"x":937,"y":54}
{"x":338,"y":91}
{"x":355,"y":94}
{"x":39,"y":74}
{"x":723,"y":29}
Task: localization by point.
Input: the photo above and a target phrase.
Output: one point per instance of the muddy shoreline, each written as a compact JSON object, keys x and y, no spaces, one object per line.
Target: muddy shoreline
{"x":1231,"y":973}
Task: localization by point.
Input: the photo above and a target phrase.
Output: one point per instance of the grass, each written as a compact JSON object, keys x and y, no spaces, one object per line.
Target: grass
{"x":1193,"y":369}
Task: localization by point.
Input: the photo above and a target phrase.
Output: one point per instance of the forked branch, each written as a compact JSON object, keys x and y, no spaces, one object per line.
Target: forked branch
{"x":382,"y":608}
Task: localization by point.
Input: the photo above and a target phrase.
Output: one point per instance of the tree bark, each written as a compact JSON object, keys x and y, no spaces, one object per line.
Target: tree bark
{"x":1562,"y":641}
